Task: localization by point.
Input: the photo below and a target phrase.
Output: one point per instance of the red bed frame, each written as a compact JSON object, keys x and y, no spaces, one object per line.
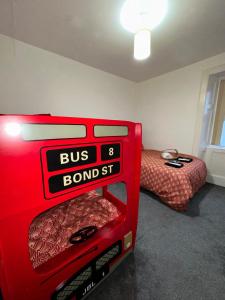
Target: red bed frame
{"x":30,"y":185}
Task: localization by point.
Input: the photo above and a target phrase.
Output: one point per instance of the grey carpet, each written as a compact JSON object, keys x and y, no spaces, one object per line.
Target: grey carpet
{"x":178,"y":256}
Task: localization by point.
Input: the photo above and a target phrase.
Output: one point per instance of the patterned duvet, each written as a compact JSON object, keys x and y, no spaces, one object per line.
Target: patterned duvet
{"x":50,"y":232}
{"x":174,"y":186}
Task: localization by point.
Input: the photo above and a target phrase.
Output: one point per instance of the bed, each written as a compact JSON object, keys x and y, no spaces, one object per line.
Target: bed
{"x":50,"y":232}
{"x":175,"y":187}
{"x":62,"y":229}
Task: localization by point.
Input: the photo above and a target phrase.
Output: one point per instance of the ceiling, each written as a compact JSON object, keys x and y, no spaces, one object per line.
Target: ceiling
{"x":89,"y":31}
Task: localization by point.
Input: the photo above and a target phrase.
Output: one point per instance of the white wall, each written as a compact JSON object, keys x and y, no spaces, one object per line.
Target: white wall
{"x":168,"y":106}
{"x":33,"y":80}
{"x":169,"y":109}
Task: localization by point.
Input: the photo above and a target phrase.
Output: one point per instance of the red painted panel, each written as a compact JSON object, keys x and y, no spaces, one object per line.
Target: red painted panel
{"x":25,"y":193}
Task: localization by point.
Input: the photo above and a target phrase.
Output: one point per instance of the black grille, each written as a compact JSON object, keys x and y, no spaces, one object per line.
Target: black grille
{"x":72,"y":286}
{"x":107,"y":257}
{"x":82,"y":282}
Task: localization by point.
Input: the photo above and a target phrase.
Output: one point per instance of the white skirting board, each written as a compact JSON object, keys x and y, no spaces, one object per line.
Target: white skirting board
{"x":216,"y":179}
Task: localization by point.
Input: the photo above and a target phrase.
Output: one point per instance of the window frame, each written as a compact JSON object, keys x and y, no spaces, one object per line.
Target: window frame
{"x":213,"y":120}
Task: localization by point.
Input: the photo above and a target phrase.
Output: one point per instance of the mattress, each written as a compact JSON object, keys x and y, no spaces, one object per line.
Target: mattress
{"x":175,"y":187}
{"x":50,"y":232}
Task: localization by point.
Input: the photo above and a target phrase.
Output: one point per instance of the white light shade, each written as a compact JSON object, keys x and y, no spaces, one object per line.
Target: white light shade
{"x":142,"y":14}
{"x":142,"y":44}
{"x":13,"y":129}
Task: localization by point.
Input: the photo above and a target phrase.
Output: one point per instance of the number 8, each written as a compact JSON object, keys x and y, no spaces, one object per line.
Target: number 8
{"x":111,"y":151}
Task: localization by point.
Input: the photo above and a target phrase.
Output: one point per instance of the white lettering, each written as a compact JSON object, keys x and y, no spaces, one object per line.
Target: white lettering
{"x":110,"y":168}
{"x":88,"y":288}
{"x":87,"y":175}
{"x":77,"y":177}
{"x":67,"y":180}
{"x":111,"y":151}
{"x":64,"y":158}
{"x":77,"y":156}
{"x":95,"y":173}
{"x":104,"y":170}
{"x":84,"y":155}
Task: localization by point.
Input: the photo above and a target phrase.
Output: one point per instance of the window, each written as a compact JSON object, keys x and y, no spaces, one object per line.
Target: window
{"x":107,"y":130}
{"x":218,"y":136}
{"x":31,"y":132}
{"x":222,"y":141}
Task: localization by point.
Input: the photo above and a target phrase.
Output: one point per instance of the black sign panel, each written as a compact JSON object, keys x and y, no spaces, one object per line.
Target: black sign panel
{"x":110,"y":151}
{"x":70,"y":157}
{"x":76,"y":178}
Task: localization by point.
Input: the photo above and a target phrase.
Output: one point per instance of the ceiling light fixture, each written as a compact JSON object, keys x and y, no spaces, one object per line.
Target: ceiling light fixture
{"x":141,"y":17}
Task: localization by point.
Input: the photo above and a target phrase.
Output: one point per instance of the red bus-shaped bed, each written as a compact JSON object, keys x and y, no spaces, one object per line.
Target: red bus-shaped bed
{"x":59,"y":237}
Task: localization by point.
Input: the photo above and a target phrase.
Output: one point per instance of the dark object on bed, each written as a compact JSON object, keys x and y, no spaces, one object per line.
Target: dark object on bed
{"x":184,"y":159}
{"x":83,"y":234}
{"x":175,"y":187}
{"x":174,"y":164}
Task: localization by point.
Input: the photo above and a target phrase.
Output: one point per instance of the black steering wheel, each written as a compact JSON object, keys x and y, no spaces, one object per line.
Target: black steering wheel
{"x":83,"y":234}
